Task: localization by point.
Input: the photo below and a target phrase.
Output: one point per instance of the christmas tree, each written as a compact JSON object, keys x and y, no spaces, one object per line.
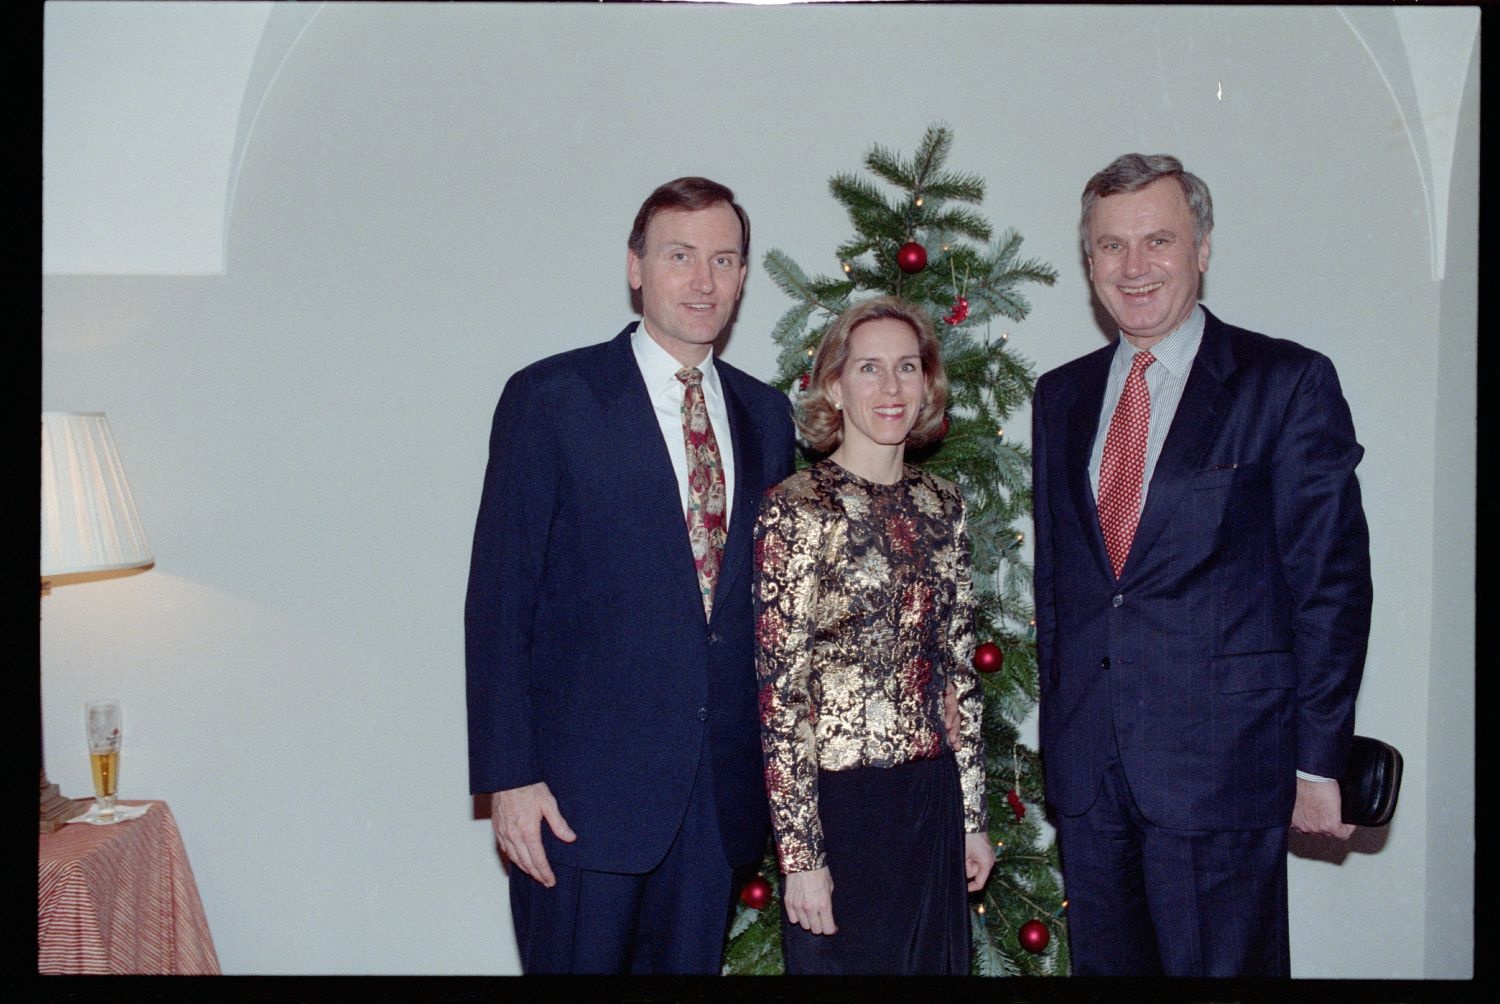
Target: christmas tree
{"x":924,"y":243}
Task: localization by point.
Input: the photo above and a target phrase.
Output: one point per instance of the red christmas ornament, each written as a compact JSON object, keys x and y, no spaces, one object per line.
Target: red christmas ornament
{"x":804,"y":380}
{"x":1033,"y":936}
{"x":1013,"y":798}
{"x":988,"y":657}
{"x":911,"y":258}
{"x":756,"y":893}
{"x":960,"y":311}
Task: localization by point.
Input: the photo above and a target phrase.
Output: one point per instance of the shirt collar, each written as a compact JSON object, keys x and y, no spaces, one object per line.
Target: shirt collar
{"x":1174,"y":352}
{"x":659,"y":367}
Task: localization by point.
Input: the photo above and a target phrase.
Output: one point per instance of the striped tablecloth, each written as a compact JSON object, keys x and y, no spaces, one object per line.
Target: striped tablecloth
{"x":120,"y":899}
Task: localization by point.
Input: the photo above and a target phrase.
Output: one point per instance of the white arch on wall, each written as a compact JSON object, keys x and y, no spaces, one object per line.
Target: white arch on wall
{"x":140,"y":179}
{"x":283,"y":29}
{"x":148,"y":110}
{"x":1424,"y":61}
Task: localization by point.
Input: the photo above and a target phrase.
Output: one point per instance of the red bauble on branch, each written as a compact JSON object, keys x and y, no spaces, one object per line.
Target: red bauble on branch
{"x":988,"y":657}
{"x":1033,"y":936}
{"x":960,"y":311}
{"x":911,"y":258}
{"x":756,"y":893}
{"x":1013,"y":799}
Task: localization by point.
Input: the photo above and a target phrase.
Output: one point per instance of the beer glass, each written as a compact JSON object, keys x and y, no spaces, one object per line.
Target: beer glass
{"x":103,"y":722}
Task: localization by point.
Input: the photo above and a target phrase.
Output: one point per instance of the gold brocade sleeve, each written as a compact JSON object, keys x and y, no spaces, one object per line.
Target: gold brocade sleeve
{"x":966,"y":684}
{"x":788,"y":537}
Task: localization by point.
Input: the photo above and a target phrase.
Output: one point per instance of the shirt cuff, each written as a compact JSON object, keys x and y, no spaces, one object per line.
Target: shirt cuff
{"x":1305,"y":776}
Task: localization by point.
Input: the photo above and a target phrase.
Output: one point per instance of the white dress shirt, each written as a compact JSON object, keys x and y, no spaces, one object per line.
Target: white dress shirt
{"x":659,"y":370}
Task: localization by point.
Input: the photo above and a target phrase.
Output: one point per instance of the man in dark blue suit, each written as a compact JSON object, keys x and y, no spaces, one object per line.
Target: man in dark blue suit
{"x":1203,"y":601}
{"x":611,"y":685}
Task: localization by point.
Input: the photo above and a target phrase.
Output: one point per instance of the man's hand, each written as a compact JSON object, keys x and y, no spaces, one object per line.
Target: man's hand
{"x":950,"y":716}
{"x":979,"y":858}
{"x":808,"y":898}
{"x":1319,"y":810}
{"x":516,"y":815}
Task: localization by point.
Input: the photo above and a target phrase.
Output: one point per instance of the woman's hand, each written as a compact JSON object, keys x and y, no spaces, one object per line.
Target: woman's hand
{"x":979,"y":858}
{"x":808,"y":898}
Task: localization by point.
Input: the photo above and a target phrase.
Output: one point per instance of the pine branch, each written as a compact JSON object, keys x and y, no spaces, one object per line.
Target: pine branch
{"x":957,"y":187}
{"x":858,"y":195}
{"x":932,"y":152}
{"x":960,"y":222}
{"x":892,"y":167}
{"x":787,"y":274}
{"x":793,"y":323}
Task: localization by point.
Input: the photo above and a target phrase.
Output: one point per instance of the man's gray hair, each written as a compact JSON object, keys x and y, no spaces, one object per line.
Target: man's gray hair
{"x":1132,"y":172}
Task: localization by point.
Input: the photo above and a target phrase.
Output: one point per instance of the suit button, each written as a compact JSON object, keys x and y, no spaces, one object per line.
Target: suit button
{"x":713,"y":639}
{"x":702,"y":714}
{"x":1104,"y":662}
{"x":1117,"y":601}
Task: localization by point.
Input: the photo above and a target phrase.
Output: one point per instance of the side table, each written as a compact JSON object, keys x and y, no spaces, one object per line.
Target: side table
{"x":120,"y":899}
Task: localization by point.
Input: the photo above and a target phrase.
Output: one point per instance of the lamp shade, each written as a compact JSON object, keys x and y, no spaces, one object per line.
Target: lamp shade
{"x":90,"y":528}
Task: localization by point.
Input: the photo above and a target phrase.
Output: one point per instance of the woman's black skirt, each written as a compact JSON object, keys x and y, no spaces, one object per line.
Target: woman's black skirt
{"x":895,"y":847}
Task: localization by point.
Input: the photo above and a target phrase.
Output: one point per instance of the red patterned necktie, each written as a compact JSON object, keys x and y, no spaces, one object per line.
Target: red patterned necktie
{"x":706,"y":510}
{"x":1124,"y":463}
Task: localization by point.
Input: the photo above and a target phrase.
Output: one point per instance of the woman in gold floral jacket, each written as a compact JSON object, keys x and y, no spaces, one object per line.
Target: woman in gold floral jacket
{"x":864,"y":615}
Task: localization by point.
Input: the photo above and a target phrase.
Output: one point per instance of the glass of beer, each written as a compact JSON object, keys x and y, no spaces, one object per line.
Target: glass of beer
{"x":102,"y":719}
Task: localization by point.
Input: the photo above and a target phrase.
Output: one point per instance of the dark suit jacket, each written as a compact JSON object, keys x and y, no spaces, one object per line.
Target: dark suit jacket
{"x":590,"y":665}
{"x":1229,"y":653}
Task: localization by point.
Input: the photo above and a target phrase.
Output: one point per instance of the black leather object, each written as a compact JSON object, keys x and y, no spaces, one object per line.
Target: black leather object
{"x":1371,"y":782}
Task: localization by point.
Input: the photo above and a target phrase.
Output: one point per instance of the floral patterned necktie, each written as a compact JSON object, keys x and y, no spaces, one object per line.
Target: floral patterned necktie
{"x":706,"y":512}
{"x":1124,"y":463}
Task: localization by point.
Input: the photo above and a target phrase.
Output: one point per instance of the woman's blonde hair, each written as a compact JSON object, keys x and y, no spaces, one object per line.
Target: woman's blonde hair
{"x":821,"y":424}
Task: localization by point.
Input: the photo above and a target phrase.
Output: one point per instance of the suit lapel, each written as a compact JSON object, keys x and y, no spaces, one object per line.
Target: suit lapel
{"x":629,"y":423}
{"x":1194,"y":428}
{"x":747,"y":466}
{"x":1083,"y":425}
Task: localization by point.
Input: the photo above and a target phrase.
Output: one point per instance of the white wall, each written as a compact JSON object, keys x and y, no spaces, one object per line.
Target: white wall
{"x":421,"y":199}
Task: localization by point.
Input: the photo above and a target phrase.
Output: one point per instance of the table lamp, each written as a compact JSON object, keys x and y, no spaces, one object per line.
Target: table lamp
{"x":90,"y":531}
